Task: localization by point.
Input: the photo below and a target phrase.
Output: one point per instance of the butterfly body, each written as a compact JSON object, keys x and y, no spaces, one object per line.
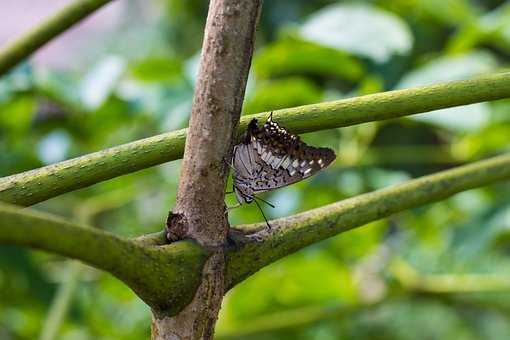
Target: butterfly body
{"x":270,"y":157}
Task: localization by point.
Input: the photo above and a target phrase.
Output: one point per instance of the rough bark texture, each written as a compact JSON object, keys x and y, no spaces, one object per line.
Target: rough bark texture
{"x":199,"y":212}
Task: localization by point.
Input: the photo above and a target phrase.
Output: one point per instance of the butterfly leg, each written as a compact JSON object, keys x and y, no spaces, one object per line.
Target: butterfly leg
{"x":229,"y":164}
{"x":262,"y":200}
{"x":262,"y":212}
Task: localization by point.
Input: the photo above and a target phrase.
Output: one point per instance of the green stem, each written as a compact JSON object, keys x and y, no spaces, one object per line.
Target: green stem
{"x":164,"y":277}
{"x":258,"y":247}
{"x":35,"y":186}
{"x":16,"y":52}
{"x":85,"y":213}
{"x":38,"y":185}
{"x":167,"y":276}
{"x":412,"y":280}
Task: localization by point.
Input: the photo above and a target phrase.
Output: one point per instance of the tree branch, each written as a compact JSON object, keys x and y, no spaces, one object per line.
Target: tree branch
{"x":37,"y":185}
{"x":410,"y":279}
{"x":256,"y":247}
{"x":199,"y":212}
{"x":16,"y":52}
{"x":165,"y":277}
{"x":259,"y":247}
{"x":85,"y":213}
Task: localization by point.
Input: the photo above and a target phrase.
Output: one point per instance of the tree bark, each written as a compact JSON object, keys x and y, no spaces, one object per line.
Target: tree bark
{"x":199,"y":212}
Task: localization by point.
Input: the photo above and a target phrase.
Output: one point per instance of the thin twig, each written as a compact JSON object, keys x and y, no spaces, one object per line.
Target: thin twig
{"x":20,"y":49}
{"x":258,"y":247}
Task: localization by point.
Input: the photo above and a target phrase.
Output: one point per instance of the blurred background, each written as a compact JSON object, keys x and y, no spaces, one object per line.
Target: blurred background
{"x":438,"y":272}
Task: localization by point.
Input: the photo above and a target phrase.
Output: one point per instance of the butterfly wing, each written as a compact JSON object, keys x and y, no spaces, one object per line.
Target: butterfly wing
{"x":270,"y":179}
{"x":270,"y":158}
{"x":286,"y":170}
{"x":246,"y":163}
{"x":281,"y":149}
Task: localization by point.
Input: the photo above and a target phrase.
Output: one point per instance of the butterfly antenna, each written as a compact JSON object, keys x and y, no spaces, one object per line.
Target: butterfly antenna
{"x":230,"y":165}
{"x":262,"y":212}
{"x":270,"y":116}
{"x":263,"y":200}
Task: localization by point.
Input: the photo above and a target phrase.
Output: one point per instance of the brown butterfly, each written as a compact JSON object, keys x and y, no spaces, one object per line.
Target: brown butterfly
{"x":270,"y":157}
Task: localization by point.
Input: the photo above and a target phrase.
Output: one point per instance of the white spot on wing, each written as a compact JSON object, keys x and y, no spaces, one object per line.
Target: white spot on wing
{"x":270,"y":158}
{"x":286,"y":162}
{"x":281,"y":162}
{"x":276,"y":161}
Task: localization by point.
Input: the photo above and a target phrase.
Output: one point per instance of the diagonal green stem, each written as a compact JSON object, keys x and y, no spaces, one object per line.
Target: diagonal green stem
{"x":85,"y":213}
{"x":260,"y":247}
{"x":20,"y":49}
{"x":412,"y":280}
{"x":257,"y":247}
{"x":164,"y":277}
{"x":35,"y":186}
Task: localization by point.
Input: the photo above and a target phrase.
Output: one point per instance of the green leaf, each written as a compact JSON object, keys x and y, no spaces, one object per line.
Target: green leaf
{"x":290,"y":57}
{"x":452,"y":12}
{"x":306,"y":278}
{"x":492,"y":28}
{"x":157,"y":69}
{"x":100,"y":82}
{"x":360,"y":29}
{"x":16,"y":115}
{"x":279,"y":94}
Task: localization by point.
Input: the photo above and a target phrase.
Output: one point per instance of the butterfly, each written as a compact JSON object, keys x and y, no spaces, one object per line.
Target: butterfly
{"x":270,"y":157}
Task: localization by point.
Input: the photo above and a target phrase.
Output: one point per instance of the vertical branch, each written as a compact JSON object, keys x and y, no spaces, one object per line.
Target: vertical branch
{"x":199,"y":212}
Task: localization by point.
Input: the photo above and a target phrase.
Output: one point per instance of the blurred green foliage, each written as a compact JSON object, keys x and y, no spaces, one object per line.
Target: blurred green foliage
{"x":364,"y":284}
